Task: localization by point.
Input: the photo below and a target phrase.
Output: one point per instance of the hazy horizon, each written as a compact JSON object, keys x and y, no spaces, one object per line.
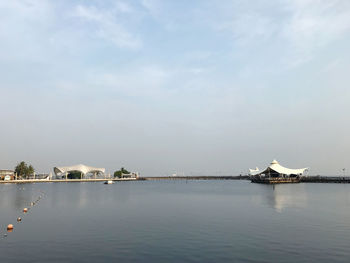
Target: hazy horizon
{"x":175,"y":86}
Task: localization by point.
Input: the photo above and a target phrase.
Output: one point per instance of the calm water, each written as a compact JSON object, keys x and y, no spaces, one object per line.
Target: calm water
{"x":176,"y":221}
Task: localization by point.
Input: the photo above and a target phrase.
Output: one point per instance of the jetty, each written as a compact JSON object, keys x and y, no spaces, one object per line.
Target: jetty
{"x":325,"y":179}
{"x":24,"y":181}
{"x":228,"y":177}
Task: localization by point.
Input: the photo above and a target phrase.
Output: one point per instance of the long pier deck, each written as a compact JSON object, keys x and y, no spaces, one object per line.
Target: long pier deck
{"x":229,"y":177}
{"x":126,"y":179}
{"x":325,"y":179}
{"x":65,"y":181}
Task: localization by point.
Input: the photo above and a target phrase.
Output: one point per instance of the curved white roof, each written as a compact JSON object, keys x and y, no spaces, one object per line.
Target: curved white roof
{"x":278,"y":168}
{"x":79,"y":167}
{"x":254,"y":171}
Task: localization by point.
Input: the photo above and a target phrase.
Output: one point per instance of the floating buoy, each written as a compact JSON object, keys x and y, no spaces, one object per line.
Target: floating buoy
{"x":25,"y":210}
{"x":19,"y":219}
{"x":32,"y":203}
{"x":9,"y":227}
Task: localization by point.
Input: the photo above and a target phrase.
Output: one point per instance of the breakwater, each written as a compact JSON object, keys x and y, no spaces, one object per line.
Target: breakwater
{"x":65,"y":180}
{"x":229,"y":177}
{"x":304,"y":179}
{"x":325,"y":179}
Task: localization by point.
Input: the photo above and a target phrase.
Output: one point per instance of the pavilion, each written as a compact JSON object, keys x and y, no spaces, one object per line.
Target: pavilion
{"x":276,"y":173}
{"x":83,"y":169}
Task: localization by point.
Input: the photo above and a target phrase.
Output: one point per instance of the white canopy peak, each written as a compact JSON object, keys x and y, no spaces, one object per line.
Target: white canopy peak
{"x":274,"y":161}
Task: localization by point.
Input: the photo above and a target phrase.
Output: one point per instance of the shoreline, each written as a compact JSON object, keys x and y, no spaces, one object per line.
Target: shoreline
{"x":305,"y":179}
{"x":63,"y":180}
{"x":23,"y":181}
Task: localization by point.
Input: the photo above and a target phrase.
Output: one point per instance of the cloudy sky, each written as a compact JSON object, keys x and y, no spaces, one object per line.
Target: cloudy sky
{"x":163,"y":86}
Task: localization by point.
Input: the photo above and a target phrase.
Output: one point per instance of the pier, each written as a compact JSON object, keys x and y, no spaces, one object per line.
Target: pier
{"x":228,"y":177}
{"x":239,"y":177}
{"x":65,"y":180}
{"x":325,"y":179}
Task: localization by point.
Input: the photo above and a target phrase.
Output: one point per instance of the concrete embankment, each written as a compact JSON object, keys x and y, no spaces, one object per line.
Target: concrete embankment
{"x":64,"y":181}
{"x":325,"y":179}
{"x":128,"y":179}
{"x":239,"y":177}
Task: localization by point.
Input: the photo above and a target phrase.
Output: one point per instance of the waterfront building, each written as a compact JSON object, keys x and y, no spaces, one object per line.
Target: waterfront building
{"x":130,"y":175}
{"x":81,"y":168}
{"x":276,"y":173}
{"x":7,"y":173}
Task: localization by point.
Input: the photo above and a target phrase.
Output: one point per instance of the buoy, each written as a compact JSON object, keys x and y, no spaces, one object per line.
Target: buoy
{"x":9,"y":227}
{"x":19,"y":219}
{"x":25,"y":210}
{"x":32,"y":203}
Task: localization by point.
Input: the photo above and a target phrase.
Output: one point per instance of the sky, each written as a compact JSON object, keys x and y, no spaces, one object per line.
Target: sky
{"x":198,"y":87}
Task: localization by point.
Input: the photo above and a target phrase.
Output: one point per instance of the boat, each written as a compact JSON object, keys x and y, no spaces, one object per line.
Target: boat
{"x":109,"y":182}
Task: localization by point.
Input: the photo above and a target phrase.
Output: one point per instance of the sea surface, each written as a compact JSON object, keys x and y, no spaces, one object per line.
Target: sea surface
{"x":175,"y":221}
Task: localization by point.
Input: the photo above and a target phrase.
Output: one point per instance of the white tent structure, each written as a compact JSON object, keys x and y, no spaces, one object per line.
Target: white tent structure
{"x":275,"y":169}
{"x":83,"y":169}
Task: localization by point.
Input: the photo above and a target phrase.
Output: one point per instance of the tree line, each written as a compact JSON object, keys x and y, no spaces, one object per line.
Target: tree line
{"x":120,"y":172}
{"x":24,"y":170}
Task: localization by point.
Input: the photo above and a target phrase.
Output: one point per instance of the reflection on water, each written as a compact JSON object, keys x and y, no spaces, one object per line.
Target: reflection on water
{"x":282,"y":196}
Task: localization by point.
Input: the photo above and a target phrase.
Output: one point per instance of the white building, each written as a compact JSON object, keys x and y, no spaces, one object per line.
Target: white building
{"x":274,"y":172}
{"x":83,"y":169}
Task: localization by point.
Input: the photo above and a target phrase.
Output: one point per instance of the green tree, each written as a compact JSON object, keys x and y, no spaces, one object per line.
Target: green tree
{"x":23,"y":170}
{"x":120,"y":172}
{"x":30,"y":170}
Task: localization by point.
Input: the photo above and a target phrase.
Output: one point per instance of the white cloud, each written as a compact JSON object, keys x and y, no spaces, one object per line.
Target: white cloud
{"x":153,"y":6}
{"x":105,"y":25}
{"x":316,"y":23}
{"x":123,"y":7}
{"x":297,"y":29}
{"x":248,"y":28}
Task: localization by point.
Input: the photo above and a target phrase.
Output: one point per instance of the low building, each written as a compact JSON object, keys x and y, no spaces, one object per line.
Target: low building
{"x":130,"y":176}
{"x":8,"y":174}
{"x":276,"y":173}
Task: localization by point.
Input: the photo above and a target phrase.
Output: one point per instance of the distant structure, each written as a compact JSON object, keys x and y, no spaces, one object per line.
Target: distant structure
{"x":83,"y":169}
{"x":7,"y":174}
{"x":276,"y":173}
{"x":130,"y":175}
